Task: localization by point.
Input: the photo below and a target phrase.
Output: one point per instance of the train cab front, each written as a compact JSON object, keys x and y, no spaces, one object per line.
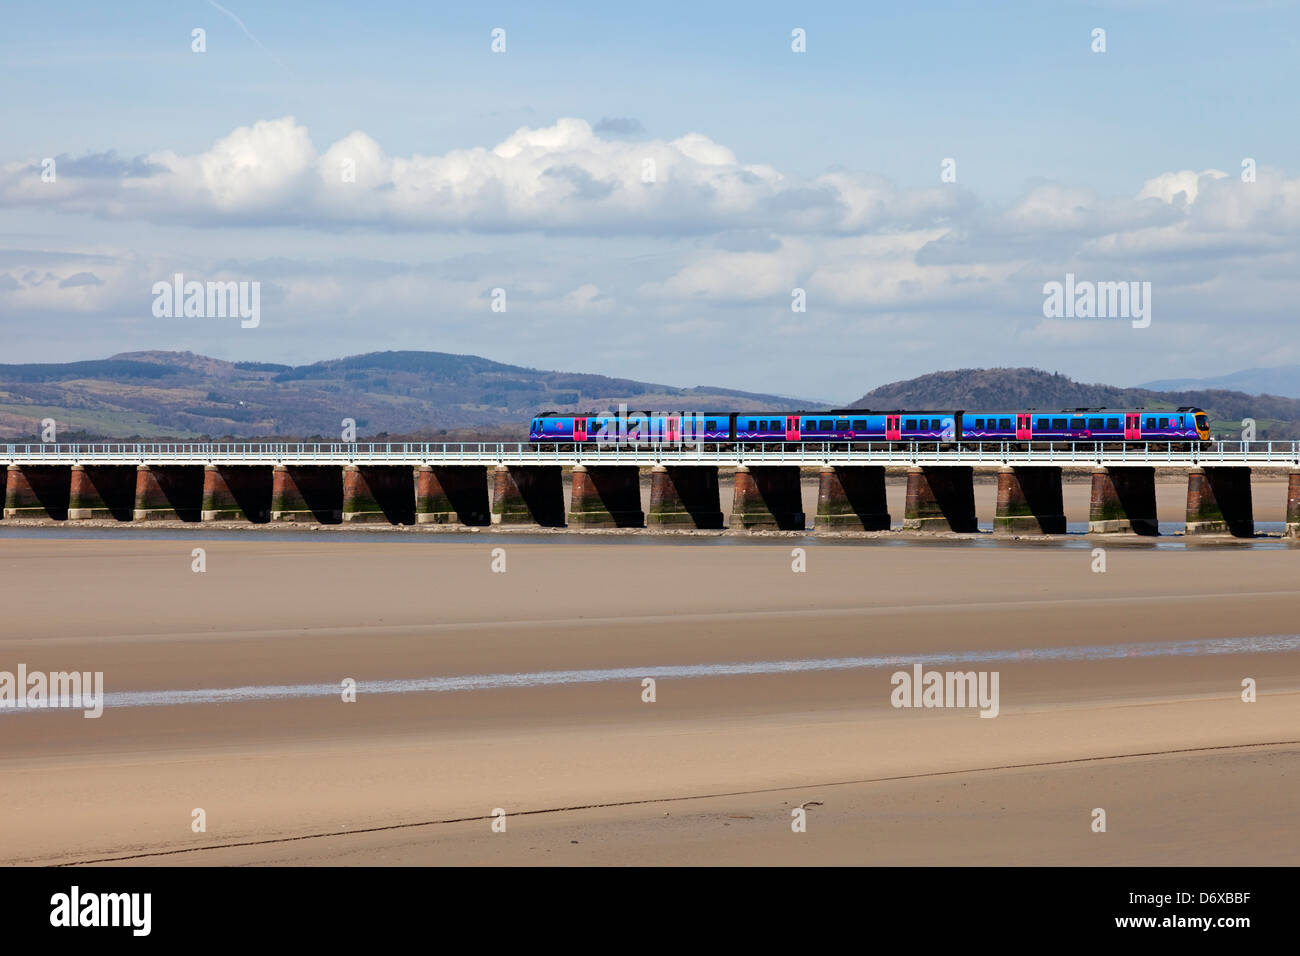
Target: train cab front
{"x":1202,"y":426}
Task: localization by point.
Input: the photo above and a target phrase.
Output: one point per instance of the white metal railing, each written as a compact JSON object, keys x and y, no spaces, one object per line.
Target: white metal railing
{"x":808,"y":454}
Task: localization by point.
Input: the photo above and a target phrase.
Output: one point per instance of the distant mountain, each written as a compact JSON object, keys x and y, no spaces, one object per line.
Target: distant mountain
{"x":1012,"y":388}
{"x":1284,"y":380}
{"x":417,"y":394}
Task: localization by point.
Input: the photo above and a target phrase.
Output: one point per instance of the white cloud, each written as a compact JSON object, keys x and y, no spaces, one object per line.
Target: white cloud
{"x":587,"y":298}
{"x":1180,"y":188}
{"x":560,"y":178}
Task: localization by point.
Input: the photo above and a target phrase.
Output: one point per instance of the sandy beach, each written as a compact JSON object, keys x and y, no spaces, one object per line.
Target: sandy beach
{"x":1112,"y":695}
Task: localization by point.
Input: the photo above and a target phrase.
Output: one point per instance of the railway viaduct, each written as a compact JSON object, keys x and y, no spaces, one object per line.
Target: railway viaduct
{"x":521,"y":484}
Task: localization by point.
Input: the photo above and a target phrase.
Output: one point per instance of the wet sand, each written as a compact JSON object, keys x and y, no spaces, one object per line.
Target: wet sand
{"x":587,"y":772}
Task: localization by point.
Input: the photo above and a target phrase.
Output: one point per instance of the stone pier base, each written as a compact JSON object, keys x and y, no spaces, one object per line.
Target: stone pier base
{"x":378,"y":494}
{"x":237,"y":493}
{"x":940,"y":498}
{"x":851,"y":498}
{"x":606,"y":497}
{"x":1029,"y":501}
{"x":1219,"y":502}
{"x":684,"y":497}
{"x":1293,"y":504}
{"x":307,"y":493}
{"x":528,"y":494}
{"x":168,"y":493}
{"x":767,"y":498}
{"x":455,"y":494}
{"x":102,"y":491}
{"x":37,"y":491}
{"x":1123,"y":501}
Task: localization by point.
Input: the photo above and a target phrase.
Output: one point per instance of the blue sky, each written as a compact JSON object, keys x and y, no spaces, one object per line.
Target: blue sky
{"x":818,"y":170}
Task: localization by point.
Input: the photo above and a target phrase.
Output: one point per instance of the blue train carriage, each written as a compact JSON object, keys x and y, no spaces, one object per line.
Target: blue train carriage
{"x":924,"y":426}
{"x":846,"y":425}
{"x":634,"y":429}
{"x":852,"y":424}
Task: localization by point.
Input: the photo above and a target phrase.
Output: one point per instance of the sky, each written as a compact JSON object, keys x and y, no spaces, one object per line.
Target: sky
{"x":671,"y":192}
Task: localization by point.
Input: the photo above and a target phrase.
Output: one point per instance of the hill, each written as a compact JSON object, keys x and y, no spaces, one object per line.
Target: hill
{"x":418,"y":394}
{"x":1275,"y":417}
{"x":1284,"y":381}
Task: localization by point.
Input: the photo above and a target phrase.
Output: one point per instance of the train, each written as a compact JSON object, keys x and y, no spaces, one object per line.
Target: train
{"x":862,"y":425}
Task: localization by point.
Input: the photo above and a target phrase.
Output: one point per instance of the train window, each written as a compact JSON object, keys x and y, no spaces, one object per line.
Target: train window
{"x":1095,"y":423}
{"x":1112,"y":423}
{"x":1076,"y":422}
{"x":841,"y":424}
{"x":1151,"y":423}
{"x":824,"y":425}
{"x":910,"y":424}
{"x":979,"y":423}
{"x":1164,"y":423}
{"x":859,"y":424}
{"x":710,"y":424}
{"x":1058,"y":424}
{"x":1004,"y":423}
